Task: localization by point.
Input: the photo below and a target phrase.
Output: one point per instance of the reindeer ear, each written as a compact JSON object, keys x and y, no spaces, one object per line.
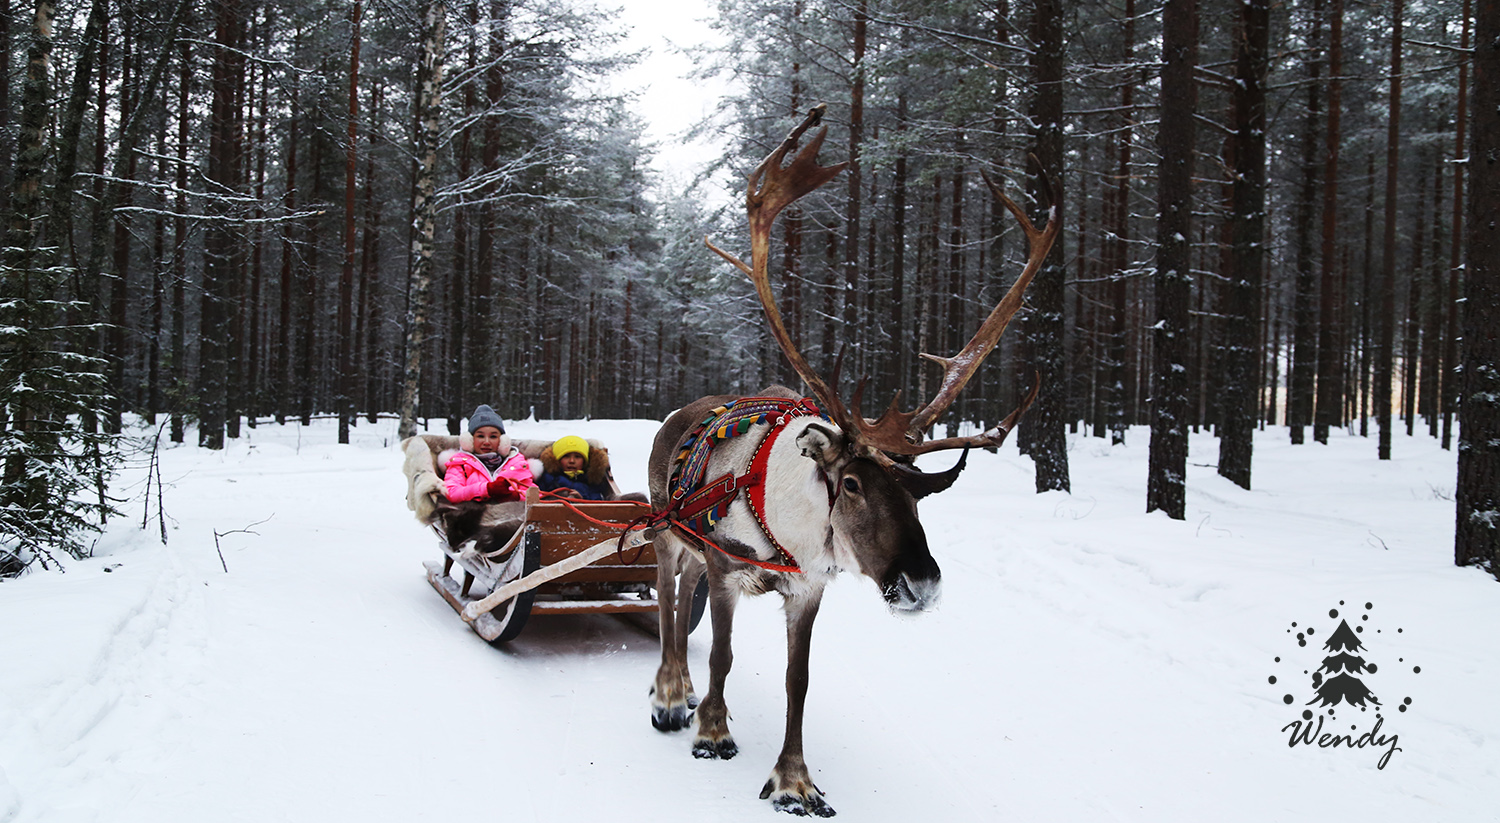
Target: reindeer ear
{"x":822,"y":444}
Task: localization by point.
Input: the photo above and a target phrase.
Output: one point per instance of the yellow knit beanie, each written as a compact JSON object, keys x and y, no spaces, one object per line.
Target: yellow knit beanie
{"x":570,"y":444}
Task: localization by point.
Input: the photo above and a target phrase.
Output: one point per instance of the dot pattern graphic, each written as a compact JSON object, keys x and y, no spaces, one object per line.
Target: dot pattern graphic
{"x":1339,"y":677}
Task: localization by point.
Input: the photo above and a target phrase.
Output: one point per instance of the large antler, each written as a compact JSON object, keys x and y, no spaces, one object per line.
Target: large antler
{"x":771,"y":188}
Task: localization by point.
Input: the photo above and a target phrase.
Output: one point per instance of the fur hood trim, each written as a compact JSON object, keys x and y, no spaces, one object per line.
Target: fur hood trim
{"x":595,"y":473}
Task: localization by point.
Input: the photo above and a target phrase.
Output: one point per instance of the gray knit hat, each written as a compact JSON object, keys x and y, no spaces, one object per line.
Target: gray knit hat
{"x":485,"y":416}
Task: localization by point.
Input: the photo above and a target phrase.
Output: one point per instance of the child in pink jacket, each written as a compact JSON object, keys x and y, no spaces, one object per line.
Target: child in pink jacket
{"x":493,"y":472}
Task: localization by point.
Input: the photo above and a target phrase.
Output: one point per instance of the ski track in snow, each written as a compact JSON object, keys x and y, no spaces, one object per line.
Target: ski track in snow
{"x":1089,"y":662}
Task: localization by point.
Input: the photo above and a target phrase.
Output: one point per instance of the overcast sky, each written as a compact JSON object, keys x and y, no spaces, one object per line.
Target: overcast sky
{"x":669,"y":102}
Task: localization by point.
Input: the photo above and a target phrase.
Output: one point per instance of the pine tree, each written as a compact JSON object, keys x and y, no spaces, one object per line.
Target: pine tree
{"x":53,"y":467}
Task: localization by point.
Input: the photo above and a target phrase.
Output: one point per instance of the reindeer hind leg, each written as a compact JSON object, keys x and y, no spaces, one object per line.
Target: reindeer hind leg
{"x":670,"y":710}
{"x":692,"y":573}
{"x":713,"y":740}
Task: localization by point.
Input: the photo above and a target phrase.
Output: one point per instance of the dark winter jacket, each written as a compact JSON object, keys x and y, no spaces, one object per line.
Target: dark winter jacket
{"x":550,"y":482}
{"x":593,"y":484}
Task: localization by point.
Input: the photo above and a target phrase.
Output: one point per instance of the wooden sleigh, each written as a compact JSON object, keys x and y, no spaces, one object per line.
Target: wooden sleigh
{"x":566,"y":557}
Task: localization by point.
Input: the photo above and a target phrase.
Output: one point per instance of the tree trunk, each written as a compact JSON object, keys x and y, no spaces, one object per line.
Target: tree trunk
{"x":25,"y":234}
{"x":1305,"y":299}
{"x":1045,"y":422}
{"x":179,"y":247}
{"x":1118,"y":244}
{"x":902,"y":363}
{"x":1411,"y":332}
{"x":1477,"y":535}
{"x":1367,"y":302}
{"x":120,"y":229}
{"x":1451,"y":378}
{"x":254,"y":363}
{"x":1243,"y":310}
{"x":220,"y":244}
{"x":7,"y":158}
{"x":346,"y":341}
{"x":285,"y":398}
{"x":429,"y":119}
{"x":1166,"y":484}
{"x":852,"y":328}
{"x":956,"y":322}
{"x":1431,"y":380}
{"x":1331,"y":323}
{"x":156,"y":328}
{"x":312,"y":310}
{"x":374,"y":372}
{"x":1385,"y":310}
{"x":457,"y":337}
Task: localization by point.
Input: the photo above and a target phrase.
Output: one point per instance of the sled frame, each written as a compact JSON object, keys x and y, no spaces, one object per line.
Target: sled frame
{"x":559,"y":562}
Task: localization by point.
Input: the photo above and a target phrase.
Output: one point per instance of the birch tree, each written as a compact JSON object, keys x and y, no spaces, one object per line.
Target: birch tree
{"x":424,"y":227}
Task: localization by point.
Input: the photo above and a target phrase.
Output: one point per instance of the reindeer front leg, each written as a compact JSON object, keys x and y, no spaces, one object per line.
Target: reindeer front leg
{"x":790,"y":787}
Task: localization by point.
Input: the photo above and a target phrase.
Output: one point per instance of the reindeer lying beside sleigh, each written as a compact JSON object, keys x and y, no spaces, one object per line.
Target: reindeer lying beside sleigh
{"x":780,"y":493}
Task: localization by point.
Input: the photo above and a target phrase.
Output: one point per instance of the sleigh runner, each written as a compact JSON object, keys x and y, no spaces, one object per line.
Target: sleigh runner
{"x":565,"y":557}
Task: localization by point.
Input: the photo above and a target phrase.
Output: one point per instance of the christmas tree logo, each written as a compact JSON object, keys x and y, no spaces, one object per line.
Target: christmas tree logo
{"x":1339,"y":682}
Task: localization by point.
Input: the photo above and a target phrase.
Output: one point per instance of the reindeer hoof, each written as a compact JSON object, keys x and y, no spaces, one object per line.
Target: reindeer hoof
{"x":809,"y":802}
{"x":705,"y":749}
{"x":670,"y":718}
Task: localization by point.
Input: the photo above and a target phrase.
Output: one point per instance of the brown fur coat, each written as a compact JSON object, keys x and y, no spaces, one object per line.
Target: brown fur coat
{"x":596,"y":473}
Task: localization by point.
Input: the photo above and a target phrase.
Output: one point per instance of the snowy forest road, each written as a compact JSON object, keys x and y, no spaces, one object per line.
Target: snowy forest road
{"x":1089,"y":662}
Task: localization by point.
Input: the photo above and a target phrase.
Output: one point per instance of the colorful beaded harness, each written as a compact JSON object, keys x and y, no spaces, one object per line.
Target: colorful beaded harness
{"x":697,"y":507}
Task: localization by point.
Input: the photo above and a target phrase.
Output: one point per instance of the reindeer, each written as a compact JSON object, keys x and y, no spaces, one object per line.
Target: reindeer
{"x":825,"y":490}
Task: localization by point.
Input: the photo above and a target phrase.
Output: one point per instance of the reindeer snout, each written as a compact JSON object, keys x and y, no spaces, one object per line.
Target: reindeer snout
{"x":916,"y":589}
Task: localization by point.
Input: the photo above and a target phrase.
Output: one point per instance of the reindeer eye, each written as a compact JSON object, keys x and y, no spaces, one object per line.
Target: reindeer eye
{"x":851,"y":485}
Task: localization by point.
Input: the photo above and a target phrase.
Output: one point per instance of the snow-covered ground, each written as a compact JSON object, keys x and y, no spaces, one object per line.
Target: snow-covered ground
{"x":1089,"y":662}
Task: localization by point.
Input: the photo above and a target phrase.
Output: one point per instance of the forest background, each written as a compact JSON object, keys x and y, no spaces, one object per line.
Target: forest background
{"x":226,"y":213}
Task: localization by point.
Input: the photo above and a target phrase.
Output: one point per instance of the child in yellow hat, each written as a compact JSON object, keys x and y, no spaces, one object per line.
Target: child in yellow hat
{"x":568,"y":470}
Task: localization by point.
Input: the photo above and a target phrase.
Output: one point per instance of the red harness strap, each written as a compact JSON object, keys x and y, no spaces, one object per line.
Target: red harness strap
{"x":757,"y":496}
{"x":715,"y":493}
{"x":724,"y":489}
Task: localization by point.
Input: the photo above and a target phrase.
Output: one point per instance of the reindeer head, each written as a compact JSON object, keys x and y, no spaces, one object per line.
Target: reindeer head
{"x":868,"y":463}
{"x":872,"y":520}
